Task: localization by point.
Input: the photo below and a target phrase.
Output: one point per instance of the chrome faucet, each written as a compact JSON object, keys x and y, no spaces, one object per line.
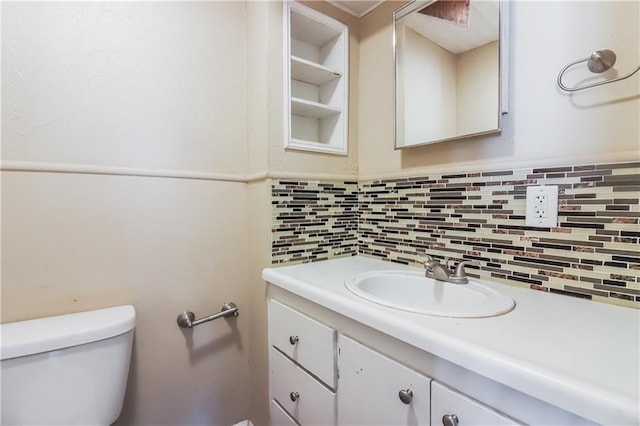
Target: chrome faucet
{"x":441,"y":272}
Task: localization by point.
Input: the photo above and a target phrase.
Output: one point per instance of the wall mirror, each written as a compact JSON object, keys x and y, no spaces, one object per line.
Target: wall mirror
{"x":450,"y":79}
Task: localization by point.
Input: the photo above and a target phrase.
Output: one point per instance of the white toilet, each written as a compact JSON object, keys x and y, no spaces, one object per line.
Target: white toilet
{"x":66,"y":370}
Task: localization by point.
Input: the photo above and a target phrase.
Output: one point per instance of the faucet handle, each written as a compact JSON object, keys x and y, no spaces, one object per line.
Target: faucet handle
{"x":459,"y":276}
{"x":428,"y":266}
{"x":428,"y":263}
{"x":447,"y":261}
{"x":460,"y":272}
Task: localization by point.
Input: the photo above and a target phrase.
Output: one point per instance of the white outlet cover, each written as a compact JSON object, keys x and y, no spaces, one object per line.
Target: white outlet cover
{"x":542,"y":206}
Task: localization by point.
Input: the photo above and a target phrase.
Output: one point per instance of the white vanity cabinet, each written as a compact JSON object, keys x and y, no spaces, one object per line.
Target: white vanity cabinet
{"x":319,"y":376}
{"x":376,"y":390}
{"x":327,"y":369}
{"x":316,"y":80}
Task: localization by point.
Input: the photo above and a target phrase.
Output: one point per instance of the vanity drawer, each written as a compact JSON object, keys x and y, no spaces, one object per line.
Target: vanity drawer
{"x":305,"y":340}
{"x":376,"y":390}
{"x":446,"y":401}
{"x":307,"y":400}
{"x":279,"y":417}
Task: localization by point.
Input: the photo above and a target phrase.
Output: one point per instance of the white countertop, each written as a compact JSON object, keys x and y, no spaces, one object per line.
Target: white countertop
{"x":578,"y":355}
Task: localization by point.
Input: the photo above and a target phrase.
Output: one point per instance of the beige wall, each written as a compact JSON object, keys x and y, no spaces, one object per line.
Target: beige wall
{"x":263,"y":35}
{"x":72,"y":243}
{"x":132,"y":85}
{"x":544,"y":126}
{"x":259,"y":240}
{"x":133,"y":88}
{"x":262,"y":124}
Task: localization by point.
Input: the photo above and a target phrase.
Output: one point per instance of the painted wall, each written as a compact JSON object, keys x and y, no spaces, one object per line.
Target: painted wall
{"x":545,"y":126}
{"x":126,"y":85}
{"x":264,"y":123}
{"x":133,"y":86}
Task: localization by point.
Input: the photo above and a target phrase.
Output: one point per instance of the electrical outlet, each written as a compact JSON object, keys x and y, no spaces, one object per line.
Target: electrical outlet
{"x":542,"y":206}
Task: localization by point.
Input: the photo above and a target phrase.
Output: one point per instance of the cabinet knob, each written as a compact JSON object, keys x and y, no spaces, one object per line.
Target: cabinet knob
{"x":449,"y":420}
{"x":294,"y":396}
{"x":293,"y":339}
{"x":406,"y":395}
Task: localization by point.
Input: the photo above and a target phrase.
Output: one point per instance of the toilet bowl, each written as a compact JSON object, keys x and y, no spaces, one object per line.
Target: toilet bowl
{"x":67,"y":369}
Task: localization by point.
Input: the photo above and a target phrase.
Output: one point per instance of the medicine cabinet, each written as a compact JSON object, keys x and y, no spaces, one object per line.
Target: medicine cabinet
{"x":451,"y":79}
{"x":316,"y":81}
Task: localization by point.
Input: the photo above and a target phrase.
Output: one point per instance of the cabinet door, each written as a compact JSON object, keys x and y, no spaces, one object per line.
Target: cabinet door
{"x":447,"y":402}
{"x":369,"y":388}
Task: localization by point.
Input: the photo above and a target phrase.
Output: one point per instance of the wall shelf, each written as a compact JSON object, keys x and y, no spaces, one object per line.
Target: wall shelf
{"x":310,"y":72}
{"x":311,"y":109}
{"x":316,"y":77}
{"x":314,"y":146}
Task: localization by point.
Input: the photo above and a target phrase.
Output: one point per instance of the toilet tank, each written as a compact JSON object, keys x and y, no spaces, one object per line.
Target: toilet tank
{"x":66,"y":370}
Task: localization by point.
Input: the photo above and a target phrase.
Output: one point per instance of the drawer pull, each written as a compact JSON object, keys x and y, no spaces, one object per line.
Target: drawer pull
{"x":449,"y":420}
{"x":293,"y":339}
{"x":294,"y":396}
{"x":406,"y":396}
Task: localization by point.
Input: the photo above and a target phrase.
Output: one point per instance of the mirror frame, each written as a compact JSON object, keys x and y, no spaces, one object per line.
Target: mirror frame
{"x":503,"y":68}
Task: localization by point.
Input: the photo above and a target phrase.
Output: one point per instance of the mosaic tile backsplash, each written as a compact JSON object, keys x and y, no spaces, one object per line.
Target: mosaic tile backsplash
{"x":313,"y":221}
{"x":593,"y":253}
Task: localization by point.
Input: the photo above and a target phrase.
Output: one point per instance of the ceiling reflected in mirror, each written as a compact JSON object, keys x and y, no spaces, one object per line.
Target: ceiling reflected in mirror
{"x":481,"y":26}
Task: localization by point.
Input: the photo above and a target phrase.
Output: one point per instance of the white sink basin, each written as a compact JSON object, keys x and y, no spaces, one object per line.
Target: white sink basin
{"x":412,"y":291}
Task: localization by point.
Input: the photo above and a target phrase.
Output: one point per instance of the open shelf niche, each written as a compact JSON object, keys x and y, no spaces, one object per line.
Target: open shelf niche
{"x":316,"y":77}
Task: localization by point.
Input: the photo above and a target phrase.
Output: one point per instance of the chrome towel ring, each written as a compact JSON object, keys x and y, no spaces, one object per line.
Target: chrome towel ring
{"x":599,"y":61}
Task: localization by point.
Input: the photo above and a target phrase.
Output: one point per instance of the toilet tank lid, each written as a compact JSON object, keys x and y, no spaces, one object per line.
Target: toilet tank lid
{"x":51,"y":333}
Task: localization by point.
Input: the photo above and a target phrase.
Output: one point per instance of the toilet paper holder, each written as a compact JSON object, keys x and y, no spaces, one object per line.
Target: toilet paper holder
{"x":187,"y":319}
